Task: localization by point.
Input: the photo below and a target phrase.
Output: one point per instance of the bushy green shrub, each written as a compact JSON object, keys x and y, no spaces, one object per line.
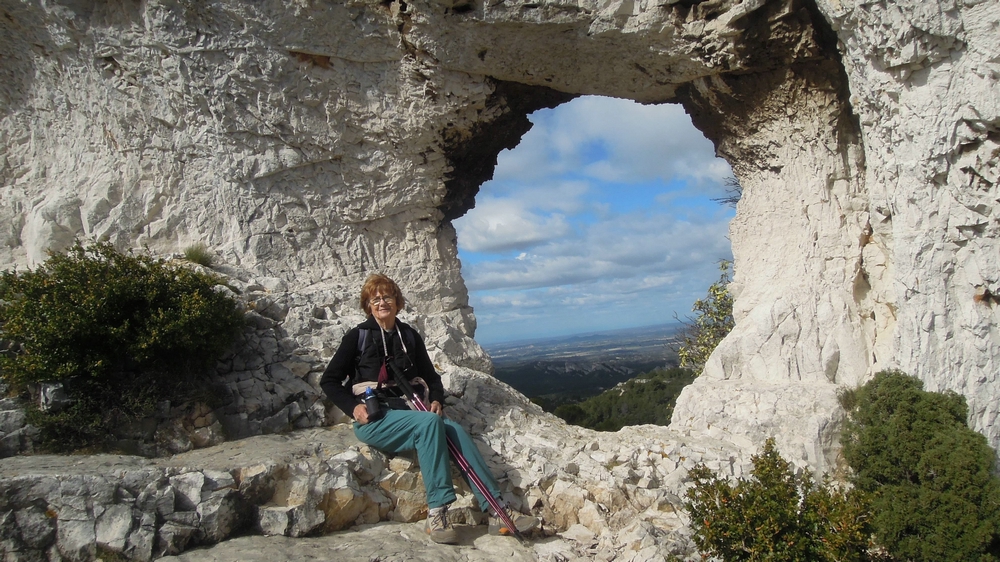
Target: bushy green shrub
{"x":122,"y":331}
{"x":199,"y":254}
{"x":713,"y":321}
{"x":648,"y":398}
{"x":776,"y":515}
{"x":935,"y":497}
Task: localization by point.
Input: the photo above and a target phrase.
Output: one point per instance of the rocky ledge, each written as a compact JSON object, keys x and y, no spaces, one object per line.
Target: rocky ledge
{"x":319,"y":491}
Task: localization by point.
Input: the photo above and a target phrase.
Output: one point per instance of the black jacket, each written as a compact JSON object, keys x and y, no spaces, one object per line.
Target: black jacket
{"x":347,"y":368}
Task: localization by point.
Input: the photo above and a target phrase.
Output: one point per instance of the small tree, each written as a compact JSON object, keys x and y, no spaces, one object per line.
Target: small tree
{"x":122,"y":331}
{"x":713,"y":321}
{"x":776,"y":515}
{"x":931,"y":477}
{"x":734,"y":192}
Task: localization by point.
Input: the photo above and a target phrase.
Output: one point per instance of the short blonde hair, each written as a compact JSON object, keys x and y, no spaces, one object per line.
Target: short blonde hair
{"x":378,"y":283}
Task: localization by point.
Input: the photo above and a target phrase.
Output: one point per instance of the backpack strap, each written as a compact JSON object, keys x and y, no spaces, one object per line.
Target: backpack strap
{"x":411,"y":340}
{"x":363,"y":334}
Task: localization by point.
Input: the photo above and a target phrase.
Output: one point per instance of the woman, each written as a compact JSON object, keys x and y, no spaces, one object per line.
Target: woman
{"x":364,"y":359}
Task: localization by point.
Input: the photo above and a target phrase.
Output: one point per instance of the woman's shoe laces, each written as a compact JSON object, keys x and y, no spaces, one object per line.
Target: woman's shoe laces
{"x":438,"y":526}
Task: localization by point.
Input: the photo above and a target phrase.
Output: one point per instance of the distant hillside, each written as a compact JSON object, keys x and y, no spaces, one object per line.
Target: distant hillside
{"x":648,"y":398}
{"x":569,"y":369}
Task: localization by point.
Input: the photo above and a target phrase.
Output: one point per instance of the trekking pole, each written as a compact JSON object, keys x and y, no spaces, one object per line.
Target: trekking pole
{"x":460,"y":459}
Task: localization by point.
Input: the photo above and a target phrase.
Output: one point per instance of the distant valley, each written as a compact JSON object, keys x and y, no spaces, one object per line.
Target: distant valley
{"x":568,"y":369}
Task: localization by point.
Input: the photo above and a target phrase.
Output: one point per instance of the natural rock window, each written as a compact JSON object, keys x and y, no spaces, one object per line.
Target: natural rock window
{"x":604,"y":216}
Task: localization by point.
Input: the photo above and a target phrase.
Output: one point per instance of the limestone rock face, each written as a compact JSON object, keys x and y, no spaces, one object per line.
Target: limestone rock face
{"x":311,"y":143}
{"x":892,"y":262}
{"x":925,"y":95}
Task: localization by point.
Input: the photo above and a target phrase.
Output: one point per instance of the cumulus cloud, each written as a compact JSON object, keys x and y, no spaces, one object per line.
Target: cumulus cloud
{"x":635,"y":143}
{"x":500,"y":225}
{"x":520,"y":216}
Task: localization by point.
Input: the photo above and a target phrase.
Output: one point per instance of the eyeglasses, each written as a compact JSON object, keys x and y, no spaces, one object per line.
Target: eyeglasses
{"x":387,"y":300}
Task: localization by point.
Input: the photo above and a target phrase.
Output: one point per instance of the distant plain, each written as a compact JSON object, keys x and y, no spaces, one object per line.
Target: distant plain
{"x":568,"y":369}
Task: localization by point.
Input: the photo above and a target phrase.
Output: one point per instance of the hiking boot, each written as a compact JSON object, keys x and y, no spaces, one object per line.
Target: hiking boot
{"x":523,"y":523}
{"x":439,"y":528}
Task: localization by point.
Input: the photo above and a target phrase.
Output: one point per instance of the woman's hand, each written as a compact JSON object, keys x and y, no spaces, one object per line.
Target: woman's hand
{"x":437,"y":408}
{"x":361,"y":414}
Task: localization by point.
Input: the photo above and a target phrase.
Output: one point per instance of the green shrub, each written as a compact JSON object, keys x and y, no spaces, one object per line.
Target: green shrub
{"x":122,"y":331}
{"x":713,"y":321}
{"x":776,"y":515}
{"x":199,"y":254}
{"x":934,"y":493}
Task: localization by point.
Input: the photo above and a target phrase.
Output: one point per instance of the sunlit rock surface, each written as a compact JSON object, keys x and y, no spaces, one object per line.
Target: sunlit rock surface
{"x":309,"y":144}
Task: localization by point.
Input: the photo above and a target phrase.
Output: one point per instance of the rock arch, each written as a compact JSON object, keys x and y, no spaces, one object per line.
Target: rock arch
{"x":317,"y":141}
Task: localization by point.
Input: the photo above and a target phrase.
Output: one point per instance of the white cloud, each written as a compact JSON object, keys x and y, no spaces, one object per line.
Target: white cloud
{"x":599,"y":305}
{"x":637,"y":142}
{"x":529,"y":215}
{"x":627,"y":247}
{"x":530,"y":160}
{"x":552,"y":194}
{"x":499,"y":225}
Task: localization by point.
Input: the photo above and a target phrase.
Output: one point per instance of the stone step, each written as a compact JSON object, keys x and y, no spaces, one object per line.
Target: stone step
{"x":310,"y":481}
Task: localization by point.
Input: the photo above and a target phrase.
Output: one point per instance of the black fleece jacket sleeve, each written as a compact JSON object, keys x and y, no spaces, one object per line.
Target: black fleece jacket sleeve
{"x":426,"y":370}
{"x":340,"y":371}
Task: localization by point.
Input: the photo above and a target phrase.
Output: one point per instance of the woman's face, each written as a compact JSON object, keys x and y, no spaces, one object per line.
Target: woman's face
{"x":383,"y":307}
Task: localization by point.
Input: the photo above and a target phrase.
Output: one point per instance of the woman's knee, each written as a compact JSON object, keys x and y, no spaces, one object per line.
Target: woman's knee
{"x":454,"y":429}
{"x":429,"y":423}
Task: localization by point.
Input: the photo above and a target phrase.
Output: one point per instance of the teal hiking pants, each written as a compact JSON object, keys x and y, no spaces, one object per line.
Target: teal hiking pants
{"x":407,"y":430}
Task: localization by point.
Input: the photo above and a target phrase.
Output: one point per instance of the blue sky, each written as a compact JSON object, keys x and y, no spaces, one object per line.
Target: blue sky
{"x":601,"y":218}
